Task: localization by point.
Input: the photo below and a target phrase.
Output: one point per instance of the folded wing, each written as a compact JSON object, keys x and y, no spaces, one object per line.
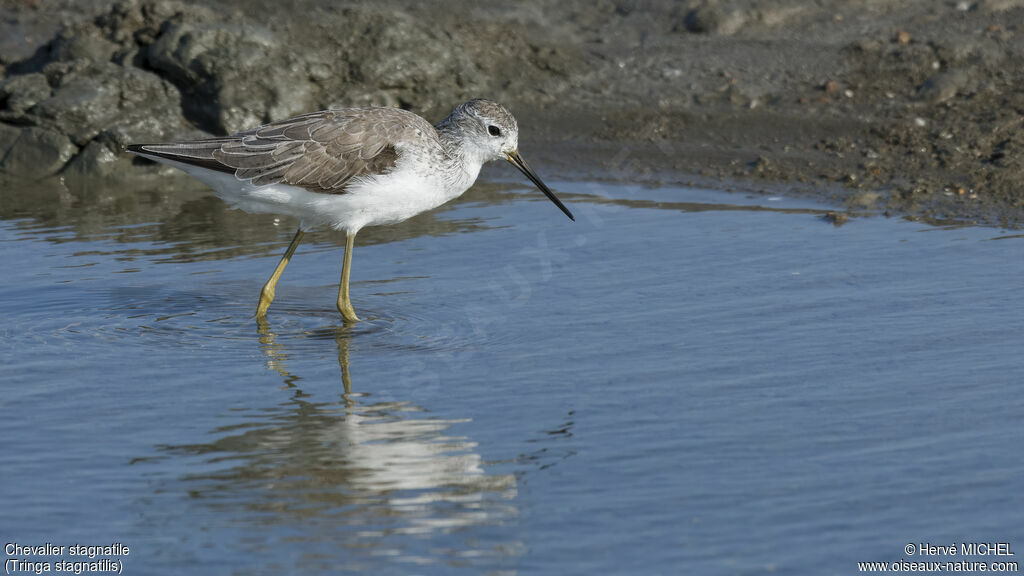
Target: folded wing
{"x":321,"y":151}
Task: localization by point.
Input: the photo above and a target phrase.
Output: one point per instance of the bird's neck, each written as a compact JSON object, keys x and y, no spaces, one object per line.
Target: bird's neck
{"x":466,"y":158}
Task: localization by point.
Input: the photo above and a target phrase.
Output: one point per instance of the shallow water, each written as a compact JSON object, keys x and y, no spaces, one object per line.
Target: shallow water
{"x":682,"y":381}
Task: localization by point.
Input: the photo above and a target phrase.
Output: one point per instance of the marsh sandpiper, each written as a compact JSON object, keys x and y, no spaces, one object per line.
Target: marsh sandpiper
{"x":349,"y":168}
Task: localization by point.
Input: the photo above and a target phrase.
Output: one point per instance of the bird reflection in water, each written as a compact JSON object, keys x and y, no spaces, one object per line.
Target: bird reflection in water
{"x":376,"y":477}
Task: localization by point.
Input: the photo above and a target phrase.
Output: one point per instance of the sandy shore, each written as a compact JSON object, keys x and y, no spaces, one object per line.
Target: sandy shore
{"x":911,"y":107}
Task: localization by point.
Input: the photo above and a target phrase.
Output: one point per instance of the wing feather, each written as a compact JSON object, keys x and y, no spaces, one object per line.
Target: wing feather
{"x":321,"y":151}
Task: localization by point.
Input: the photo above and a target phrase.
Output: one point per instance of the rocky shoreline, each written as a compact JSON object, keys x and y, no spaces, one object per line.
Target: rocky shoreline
{"x":910,"y":107}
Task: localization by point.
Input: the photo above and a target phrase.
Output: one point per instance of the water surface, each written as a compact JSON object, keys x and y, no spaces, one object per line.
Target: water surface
{"x":682,"y":381}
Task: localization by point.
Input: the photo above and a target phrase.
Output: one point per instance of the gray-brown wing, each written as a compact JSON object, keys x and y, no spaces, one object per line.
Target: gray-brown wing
{"x":323,"y":151}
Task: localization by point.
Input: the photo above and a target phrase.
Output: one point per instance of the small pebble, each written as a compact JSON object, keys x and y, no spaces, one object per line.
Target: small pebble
{"x":836,"y":218}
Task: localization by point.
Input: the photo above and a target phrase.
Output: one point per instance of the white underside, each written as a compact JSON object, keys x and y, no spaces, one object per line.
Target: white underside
{"x":373,"y":201}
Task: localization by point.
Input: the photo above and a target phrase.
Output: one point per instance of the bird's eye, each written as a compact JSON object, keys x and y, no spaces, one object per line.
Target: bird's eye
{"x":494,"y":130}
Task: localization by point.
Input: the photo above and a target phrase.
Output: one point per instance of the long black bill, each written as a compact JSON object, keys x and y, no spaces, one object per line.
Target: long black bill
{"x":518,"y":161}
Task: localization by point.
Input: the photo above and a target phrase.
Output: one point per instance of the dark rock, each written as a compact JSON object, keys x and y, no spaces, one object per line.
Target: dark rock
{"x":84,"y":103}
{"x":20,"y":93}
{"x":146,"y":71}
{"x":98,"y":160}
{"x":8,"y":136}
{"x":104,"y":95}
{"x":713,"y":18}
{"x":83,"y":42}
{"x":234,"y":78}
{"x":943,"y":86}
{"x":24,"y":35}
{"x":837,"y":219}
{"x":36,"y":153}
{"x":56,"y":71}
{"x":389,"y":65}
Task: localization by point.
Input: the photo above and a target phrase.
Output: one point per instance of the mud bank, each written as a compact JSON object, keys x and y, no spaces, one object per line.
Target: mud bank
{"x":911,"y":107}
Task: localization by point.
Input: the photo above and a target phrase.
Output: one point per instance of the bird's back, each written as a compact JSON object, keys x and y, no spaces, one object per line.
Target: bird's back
{"x":322,"y":152}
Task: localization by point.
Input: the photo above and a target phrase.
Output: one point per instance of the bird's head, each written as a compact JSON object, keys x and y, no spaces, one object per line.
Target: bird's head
{"x":490,"y":132}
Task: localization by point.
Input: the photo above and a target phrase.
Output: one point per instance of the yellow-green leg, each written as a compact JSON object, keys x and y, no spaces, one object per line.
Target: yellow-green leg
{"x":341,"y":336}
{"x":267,"y":294}
{"x":344,"y":304}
